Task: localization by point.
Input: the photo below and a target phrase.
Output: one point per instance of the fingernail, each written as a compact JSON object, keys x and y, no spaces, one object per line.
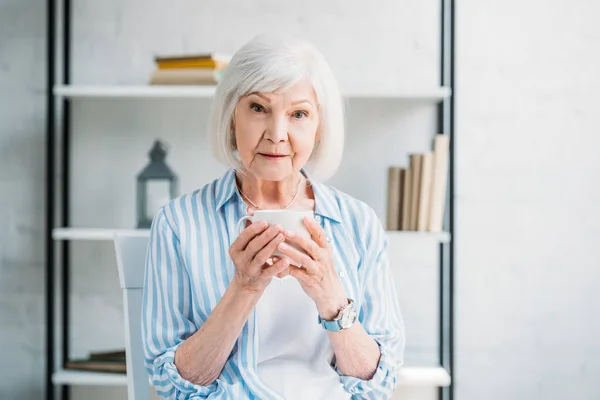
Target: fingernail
{"x":282,"y":246}
{"x":289,"y":234}
{"x":280,"y":237}
{"x":263,"y":224}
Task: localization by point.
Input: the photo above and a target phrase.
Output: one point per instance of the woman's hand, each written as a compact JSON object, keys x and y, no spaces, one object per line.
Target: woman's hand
{"x":317,"y":276}
{"x":250,"y":252}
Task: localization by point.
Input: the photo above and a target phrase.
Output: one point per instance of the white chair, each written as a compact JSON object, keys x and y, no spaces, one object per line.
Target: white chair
{"x":131,"y":255}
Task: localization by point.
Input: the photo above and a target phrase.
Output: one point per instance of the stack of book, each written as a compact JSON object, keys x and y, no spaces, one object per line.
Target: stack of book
{"x":417,"y":193}
{"x":193,"y":69}
{"x":112,"y":361}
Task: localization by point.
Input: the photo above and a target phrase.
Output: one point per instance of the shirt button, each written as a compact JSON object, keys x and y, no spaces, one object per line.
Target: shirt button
{"x":318,"y":218}
{"x":342,"y":274}
{"x":328,"y":239}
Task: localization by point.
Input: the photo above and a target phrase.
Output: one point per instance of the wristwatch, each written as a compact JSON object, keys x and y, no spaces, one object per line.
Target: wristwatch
{"x":344,"y":320}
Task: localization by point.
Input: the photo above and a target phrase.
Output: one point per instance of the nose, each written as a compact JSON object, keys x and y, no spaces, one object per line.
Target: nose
{"x":277,"y":129}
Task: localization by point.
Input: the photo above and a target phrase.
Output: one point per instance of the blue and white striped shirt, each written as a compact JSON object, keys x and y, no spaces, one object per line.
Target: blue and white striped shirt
{"x":188,"y":269}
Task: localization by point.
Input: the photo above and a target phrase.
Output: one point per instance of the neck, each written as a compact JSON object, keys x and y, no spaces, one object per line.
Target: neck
{"x":270,"y":194}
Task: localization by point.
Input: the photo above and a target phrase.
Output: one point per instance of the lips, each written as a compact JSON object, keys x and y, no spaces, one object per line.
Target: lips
{"x":273,"y":156}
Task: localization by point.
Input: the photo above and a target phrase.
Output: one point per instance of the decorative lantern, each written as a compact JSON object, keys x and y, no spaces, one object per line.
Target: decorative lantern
{"x":156,"y":186}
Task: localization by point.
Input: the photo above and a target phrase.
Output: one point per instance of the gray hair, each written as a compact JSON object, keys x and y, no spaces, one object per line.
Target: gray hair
{"x":269,"y":63}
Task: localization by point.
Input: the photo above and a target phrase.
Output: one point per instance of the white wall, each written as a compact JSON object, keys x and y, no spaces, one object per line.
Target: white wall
{"x":527,"y":256}
{"x":22,"y":124}
{"x":527,"y":221}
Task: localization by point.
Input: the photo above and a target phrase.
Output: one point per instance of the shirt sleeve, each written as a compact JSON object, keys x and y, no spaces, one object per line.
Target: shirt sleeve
{"x":166,"y":314}
{"x":381,"y":318}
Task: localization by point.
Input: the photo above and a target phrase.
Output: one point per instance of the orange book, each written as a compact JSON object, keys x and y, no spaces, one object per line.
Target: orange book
{"x":208,"y":60}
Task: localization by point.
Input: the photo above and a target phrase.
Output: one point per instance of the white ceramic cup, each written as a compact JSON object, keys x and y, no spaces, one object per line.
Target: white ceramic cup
{"x":288,"y":220}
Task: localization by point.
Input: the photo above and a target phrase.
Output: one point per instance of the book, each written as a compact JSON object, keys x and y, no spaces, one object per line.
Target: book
{"x":108,"y":361}
{"x":186,"y":76}
{"x":112,"y":355}
{"x":204,"y":60}
{"x":425,"y":191}
{"x":97,"y":365}
{"x":394,"y":206}
{"x":440,"y":179}
{"x":406,"y":200}
{"x":416,"y":160}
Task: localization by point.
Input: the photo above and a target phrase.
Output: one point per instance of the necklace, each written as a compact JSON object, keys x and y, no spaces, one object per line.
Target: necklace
{"x":284,"y":208}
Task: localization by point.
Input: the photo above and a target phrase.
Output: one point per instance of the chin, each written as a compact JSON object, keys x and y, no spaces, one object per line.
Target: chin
{"x":272,"y":173}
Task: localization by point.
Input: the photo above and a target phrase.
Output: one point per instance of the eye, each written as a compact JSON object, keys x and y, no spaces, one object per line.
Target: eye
{"x":257,"y":107}
{"x":300,"y":114}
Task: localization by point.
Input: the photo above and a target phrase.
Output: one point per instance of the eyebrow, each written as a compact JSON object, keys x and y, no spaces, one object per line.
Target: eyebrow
{"x":262,"y":96}
{"x":301,"y":101}
{"x":265,"y":98}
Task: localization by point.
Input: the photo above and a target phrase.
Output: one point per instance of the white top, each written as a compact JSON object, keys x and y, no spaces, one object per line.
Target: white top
{"x":294,"y":351}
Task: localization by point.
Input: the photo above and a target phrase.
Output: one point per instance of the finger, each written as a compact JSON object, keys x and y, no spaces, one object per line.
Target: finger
{"x":276,"y":268}
{"x":267,"y":251}
{"x":309,"y":246}
{"x":299,"y":273}
{"x":296,"y":255}
{"x":272,"y":260}
{"x":261,"y":240}
{"x":285,"y":272}
{"x":316,"y":232}
{"x":247,"y":235}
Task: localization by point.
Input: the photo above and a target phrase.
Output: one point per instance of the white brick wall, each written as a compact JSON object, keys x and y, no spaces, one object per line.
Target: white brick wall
{"x":527,"y":208}
{"x":526,"y":231}
{"x":22,"y":123}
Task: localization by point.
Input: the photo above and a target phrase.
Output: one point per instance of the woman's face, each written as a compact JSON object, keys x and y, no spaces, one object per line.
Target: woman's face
{"x":276,"y":132}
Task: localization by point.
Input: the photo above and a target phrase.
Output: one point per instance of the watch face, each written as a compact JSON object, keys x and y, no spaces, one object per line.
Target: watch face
{"x":348,"y":318}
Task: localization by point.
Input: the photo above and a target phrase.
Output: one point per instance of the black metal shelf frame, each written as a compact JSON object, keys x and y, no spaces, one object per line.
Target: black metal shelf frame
{"x":58,"y":163}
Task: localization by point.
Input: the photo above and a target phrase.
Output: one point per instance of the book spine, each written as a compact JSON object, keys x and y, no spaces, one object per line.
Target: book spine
{"x":393,"y":201}
{"x":425,"y":191}
{"x":406,"y":199}
{"x":439,"y":184}
{"x":416,"y":161}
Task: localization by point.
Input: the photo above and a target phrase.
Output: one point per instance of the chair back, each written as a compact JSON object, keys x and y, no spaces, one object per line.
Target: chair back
{"x":131,"y":256}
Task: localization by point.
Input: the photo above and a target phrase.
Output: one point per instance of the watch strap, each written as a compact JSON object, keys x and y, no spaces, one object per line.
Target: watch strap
{"x":335,"y":325}
{"x":332,"y":326}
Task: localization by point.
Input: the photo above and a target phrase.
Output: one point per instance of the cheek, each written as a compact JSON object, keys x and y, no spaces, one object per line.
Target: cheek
{"x":303,"y":138}
{"x":247,"y":134}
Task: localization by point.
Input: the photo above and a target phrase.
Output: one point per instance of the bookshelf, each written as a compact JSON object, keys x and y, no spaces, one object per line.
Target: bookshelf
{"x":59,"y":233}
{"x":108,"y":234}
{"x":88,"y":378}
{"x":158,"y":91}
{"x":409,"y":376}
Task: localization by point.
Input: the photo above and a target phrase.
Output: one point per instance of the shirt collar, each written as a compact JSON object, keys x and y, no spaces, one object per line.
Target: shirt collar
{"x":326,"y":204}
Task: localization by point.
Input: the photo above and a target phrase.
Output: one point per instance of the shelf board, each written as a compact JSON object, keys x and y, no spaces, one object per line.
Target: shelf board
{"x":108,"y":234}
{"x":94,"y":233}
{"x":424,"y":376}
{"x":442,"y":237}
{"x":180,"y":91}
{"x":408,"y":376}
{"x":88,"y":378}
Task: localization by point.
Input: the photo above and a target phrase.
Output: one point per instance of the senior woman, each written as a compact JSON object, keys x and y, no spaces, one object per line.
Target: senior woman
{"x":225,"y":319}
